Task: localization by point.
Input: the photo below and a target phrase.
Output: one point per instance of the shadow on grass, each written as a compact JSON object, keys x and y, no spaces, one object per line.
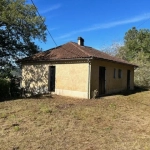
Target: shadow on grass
{"x":137,"y":89}
{"x":2,"y":99}
{"x":37,"y":96}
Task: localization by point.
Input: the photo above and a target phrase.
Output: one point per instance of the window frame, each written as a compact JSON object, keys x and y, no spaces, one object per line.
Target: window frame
{"x":114,"y":73}
{"x":119,"y":73}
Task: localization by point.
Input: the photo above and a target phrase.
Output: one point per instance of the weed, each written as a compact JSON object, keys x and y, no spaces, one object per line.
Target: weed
{"x":82,"y":113}
{"x":13,"y":116}
{"x":16,"y":128}
{"x":108,"y":129}
{"x":112,"y":105}
{"x":115,"y":116}
{"x":46,"y":110}
{"x":3,"y":115}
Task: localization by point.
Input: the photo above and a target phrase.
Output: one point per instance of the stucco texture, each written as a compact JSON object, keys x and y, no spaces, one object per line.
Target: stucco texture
{"x":35,"y":78}
{"x":74,"y":78}
{"x":71,"y":79}
{"x":112,"y":84}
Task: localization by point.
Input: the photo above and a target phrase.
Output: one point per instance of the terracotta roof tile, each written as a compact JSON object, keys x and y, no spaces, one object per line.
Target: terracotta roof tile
{"x":71,"y":50}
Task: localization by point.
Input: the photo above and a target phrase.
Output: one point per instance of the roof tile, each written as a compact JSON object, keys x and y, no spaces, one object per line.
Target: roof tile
{"x":71,"y":50}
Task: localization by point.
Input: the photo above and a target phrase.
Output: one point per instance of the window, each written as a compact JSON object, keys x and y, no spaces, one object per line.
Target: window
{"x":114,"y":73}
{"x":119,"y":73}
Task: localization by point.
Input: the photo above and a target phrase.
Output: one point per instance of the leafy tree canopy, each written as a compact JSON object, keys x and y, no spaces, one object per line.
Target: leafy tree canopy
{"x":136,"y":50}
{"x":136,"y":41}
{"x":19,"y":27}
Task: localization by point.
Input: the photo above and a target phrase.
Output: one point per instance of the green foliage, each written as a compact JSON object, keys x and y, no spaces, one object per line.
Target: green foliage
{"x":136,"y":41}
{"x":9,"y":88}
{"x":22,"y":19}
{"x":142,"y":73}
{"x":4,"y":88}
{"x":113,"y":106}
{"x":46,"y":109}
{"x":16,"y":128}
{"x":136,"y":50}
{"x":122,"y":52}
{"x":19,"y":27}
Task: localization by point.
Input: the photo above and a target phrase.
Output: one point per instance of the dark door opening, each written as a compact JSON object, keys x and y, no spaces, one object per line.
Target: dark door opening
{"x":51,"y":78}
{"x":128,"y":79}
{"x":101,"y":80}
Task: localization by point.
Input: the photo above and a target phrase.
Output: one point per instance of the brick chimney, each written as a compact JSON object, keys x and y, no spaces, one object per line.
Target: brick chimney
{"x":80,"y":41}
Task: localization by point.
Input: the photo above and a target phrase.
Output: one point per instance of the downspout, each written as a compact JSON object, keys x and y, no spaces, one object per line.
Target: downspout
{"x":89,"y":80}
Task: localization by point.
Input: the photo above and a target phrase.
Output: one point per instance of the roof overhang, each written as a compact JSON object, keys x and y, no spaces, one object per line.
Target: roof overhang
{"x":55,"y":60}
{"x":74,"y":59}
{"x":115,"y":61}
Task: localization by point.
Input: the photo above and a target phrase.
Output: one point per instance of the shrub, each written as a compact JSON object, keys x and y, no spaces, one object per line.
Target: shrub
{"x":4,"y":88}
{"x":142,"y":73}
{"x":9,"y":88}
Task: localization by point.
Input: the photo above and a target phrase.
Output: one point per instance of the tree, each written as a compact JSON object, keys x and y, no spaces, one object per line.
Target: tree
{"x":136,"y":41}
{"x":19,"y":27}
{"x":113,"y":49}
{"x":142,"y":73}
{"x":136,"y":50}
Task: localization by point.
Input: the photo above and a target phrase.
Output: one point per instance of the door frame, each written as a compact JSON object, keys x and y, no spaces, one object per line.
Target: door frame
{"x":51,"y":78}
{"x":102,"y":79}
{"x":128,"y":79}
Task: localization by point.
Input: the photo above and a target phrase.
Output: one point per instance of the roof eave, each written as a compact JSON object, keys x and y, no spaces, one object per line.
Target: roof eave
{"x":75,"y":59}
{"x":54,"y":60}
{"x":115,"y":61}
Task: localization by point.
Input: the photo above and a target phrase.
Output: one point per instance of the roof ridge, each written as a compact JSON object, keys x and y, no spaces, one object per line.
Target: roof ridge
{"x":72,"y":50}
{"x":80,"y":49}
{"x":66,"y":49}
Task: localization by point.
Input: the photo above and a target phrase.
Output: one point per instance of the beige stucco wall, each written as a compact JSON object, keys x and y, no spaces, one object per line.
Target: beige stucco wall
{"x":111,"y":84}
{"x":35,"y":78}
{"x":71,"y":78}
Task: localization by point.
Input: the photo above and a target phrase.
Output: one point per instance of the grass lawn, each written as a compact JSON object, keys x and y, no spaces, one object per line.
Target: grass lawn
{"x":63,"y":123}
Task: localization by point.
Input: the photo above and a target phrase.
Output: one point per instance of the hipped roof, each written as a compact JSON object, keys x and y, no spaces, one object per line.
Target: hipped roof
{"x":72,"y":51}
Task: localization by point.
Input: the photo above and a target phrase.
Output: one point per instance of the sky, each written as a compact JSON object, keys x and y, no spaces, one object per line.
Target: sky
{"x":101,"y":23}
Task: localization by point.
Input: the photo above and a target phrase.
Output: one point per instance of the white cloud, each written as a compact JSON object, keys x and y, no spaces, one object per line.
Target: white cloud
{"x":52,"y":29}
{"x":109,"y":25}
{"x":54,"y":7}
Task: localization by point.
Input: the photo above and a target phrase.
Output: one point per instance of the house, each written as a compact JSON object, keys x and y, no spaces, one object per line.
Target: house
{"x":76,"y":70}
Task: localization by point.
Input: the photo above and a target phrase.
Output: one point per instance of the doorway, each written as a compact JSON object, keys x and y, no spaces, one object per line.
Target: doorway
{"x":51,"y":78}
{"x":101,"y":80}
{"x":128,"y":79}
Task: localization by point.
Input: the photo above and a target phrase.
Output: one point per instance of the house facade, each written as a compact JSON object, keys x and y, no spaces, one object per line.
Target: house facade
{"x":76,"y":70}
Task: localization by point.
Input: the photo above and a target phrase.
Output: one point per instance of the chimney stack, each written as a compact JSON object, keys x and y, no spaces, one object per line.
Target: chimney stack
{"x":80,"y":41}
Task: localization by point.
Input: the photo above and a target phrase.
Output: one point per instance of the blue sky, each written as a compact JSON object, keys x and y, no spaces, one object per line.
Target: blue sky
{"x":100,"y":22}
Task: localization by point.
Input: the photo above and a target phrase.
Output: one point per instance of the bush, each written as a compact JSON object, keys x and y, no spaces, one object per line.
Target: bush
{"x":15,"y":87}
{"x":9,"y":88}
{"x":142,"y":76}
{"x":142,"y":73}
{"x":4,"y":88}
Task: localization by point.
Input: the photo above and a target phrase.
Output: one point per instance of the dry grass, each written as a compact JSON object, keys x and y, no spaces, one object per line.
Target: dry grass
{"x":62,"y":123}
